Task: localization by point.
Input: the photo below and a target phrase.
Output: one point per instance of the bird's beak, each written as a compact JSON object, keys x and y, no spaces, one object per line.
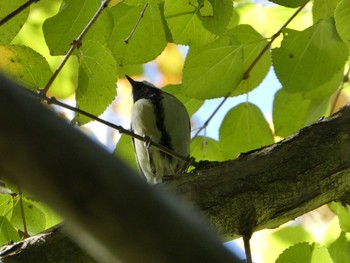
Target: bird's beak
{"x":131,"y":81}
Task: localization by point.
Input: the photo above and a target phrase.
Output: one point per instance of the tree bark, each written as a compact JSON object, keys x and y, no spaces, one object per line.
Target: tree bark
{"x":112,"y":212}
{"x":267,"y":187}
{"x":260,"y":189}
{"x":52,"y":246}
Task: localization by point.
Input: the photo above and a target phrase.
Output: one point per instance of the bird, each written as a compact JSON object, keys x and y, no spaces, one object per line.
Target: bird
{"x":159,"y":117}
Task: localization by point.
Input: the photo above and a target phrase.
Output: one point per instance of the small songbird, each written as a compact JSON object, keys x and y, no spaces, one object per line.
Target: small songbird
{"x":162,"y":118}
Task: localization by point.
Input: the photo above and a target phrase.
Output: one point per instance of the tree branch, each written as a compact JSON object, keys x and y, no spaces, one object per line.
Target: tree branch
{"x":52,"y":245}
{"x":273,"y":185}
{"x":17,"y":11}
{"x":76,"y":43}
{"x":112,"y":212}
{"x":260,"y":189}
{"x":120,"y":129}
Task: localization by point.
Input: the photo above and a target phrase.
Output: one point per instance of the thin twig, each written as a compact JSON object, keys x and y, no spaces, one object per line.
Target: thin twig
{"x":25,"y":229}
{"x":211,"y":116}
{"x":272,"y":39}
{"x":17,"y":11}
{"x":252,"y":65}
{"x":119,"y":128}
{"x":75,"y":44}
{"x":137,"y":24}
{"x":337,"y":95}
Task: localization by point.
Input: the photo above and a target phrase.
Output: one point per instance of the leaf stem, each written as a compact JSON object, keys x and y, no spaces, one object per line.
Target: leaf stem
{"x":17,"y":11}
{"x":25,"y":229}
{"x":206,"y":123}
{"x":76,"y":43}
{"x":137,"y":24}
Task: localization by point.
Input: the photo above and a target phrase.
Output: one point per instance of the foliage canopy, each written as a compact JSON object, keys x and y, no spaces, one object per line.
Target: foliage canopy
{"x":229,"y":54}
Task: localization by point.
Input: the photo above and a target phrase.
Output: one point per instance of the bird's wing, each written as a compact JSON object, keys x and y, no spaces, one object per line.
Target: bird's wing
{"x":138,"y":164}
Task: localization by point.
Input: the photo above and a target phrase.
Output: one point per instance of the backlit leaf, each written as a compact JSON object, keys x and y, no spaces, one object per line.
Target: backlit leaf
{"x":289,"y":3}
{"x":342,"y":18}
{"x":292,"y":111}
{"x":34,"y":216}
{"x":97,"y":80}
{"x":10,"y":29}
{"x":186,"y":27}
{"x":309,"y":58}
{"x":204,"y":148}
{"x":213,"y":70}
{"x":147,"y":42}
{"x":305,"y":253}
{"x":61,"y":29}
{"x":7,"y":231}
{"x":244,"y":128}
{"x":24,"y":65}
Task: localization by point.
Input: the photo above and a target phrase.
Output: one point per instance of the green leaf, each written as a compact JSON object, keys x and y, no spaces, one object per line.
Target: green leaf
{"x":185,"y":23}
{"x":24,"y":65}
{"x":290,"y":235}
{"x":342,"y":18}
{"x":309,"y":58}
{"x":221,"y":65}
{"x":97,"y":79}
{"x":244,"y":128}
{"x":125,"y":152}
{"x":343,"y":215}
{"x":213,"y":70}
{"x":204,"y":148}
{"x":326,"y":89}
{"x":252,"y":44}
{"x":147,"y":42}
{"x":340,"y":249}
{"x":305,"y":253}
{"x":34,"y":216}
{"x":215,"y":14}
{"x":102,"y":28}
{"x":206,"y":9}
{"x":192,"y":105}
{"x":322,"y":9}
{"x":142,"y":2}
{"x":10,"y":29}
{"x":6,"y":206}
{"x":317,"y":109}
{"x":289,"y":3}
{"x":130,"y":70}
{"x":7,"y":231}
{"x":51,"y":217}
{"x":73,"y":16}
{"x":291,"y":112}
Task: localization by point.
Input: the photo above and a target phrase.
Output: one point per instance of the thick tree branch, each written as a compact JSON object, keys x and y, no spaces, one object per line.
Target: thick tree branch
{"x":273,"y":185}
{"x":112,"y":212}
{"x":51,"y":246}
{"x":260,"y":189}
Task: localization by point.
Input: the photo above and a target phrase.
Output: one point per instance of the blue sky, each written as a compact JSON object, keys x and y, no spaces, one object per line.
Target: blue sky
{"x":262,"y":96}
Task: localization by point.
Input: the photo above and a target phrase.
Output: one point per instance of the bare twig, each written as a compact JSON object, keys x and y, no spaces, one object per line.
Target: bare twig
{"x":75,"y":44}
{"x":252,"y":65}
{"x":119,"y":128}
{"x":17,"y":11}
{"x":211,"y":116}
{"x":137,"y":24}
